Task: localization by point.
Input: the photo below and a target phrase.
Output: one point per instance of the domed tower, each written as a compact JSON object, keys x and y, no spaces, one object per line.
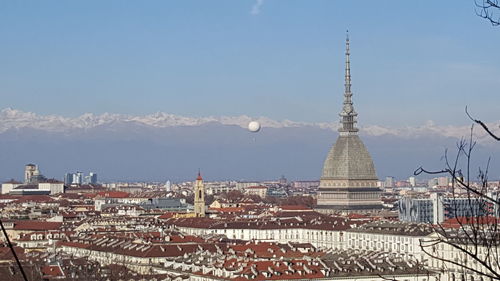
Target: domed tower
{"x":349,"y":181}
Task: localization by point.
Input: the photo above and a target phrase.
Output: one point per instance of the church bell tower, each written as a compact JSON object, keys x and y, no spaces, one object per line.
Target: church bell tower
{"x":199,"y":196}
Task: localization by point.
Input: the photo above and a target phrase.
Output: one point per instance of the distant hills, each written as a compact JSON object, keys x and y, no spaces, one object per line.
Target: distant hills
{"x":164,"y":146}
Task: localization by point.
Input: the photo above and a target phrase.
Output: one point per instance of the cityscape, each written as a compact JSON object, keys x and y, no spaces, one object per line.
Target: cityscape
{"x":80,"y":215}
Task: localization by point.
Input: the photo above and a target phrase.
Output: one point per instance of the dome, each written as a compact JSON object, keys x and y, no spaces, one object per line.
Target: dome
{"x":349,"y":159}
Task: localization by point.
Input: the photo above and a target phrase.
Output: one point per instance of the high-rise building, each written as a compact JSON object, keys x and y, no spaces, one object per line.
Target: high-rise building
{"x":437,"y":208}
{"x":78,"y":178}
{"x":68,"y":178}
{"x":199,"y":197}
{"x":349,"y":181}
{"x":93,"y":178}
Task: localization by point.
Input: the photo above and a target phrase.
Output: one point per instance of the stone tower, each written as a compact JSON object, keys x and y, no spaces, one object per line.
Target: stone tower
{"x":348,"y":182}
{"x":29,"y":171}
{"x":199,"y":197}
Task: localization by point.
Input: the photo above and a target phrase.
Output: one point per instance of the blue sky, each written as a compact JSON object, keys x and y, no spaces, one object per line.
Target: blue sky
{"x":412,"y":61}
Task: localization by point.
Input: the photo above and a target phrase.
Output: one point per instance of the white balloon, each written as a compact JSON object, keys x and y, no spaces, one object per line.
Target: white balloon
{"x":254,"y":126}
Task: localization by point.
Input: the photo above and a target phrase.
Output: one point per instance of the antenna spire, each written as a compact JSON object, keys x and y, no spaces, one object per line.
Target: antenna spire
{"x":347,"y":65}
{"x":348,"y":115}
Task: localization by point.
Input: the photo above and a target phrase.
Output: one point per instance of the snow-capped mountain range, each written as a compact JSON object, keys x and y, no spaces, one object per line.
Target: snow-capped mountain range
{"x":161,"y":146}
{"x":17,"y":119}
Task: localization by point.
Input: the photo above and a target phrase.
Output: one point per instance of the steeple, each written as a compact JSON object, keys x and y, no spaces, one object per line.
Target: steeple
{"x":199,"y":178}
{"x":199,"y":196}
{"x":348,"y":115}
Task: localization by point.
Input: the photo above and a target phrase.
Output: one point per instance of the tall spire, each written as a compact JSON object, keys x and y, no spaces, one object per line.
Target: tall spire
{"x":199,"y":178}
{"x":348,"y":115}
{"x":347,"y":65}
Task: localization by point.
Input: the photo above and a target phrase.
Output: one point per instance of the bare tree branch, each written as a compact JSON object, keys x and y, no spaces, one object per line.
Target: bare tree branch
{"x":485,"y":127}
{"x":486,"y":10}
{"x":475,"y":244}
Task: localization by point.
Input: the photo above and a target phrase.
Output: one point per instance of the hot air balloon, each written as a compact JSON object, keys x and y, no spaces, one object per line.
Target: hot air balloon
{"x":254,"y":126}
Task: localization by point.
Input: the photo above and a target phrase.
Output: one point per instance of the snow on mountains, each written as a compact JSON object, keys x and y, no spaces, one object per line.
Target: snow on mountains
{"x":163,"y":146}
{"x":17,"y":119}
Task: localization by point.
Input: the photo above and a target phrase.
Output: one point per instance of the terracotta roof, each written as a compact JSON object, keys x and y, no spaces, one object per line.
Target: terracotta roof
{"x":395,"y":228}
{"x":6,"y":253}
{"x":305,"y":222}
{"x":52,"y":271}
{"x":456,"y":222}
{"x":146,"y":251}
{"x":357,"y":216}
{"x":36,"y":225}
{"x":7,"y":197}
{"x":36,"y":198}
{"x":228,"y":209}
{"x":113,"y":194}
{"x":296,"y":269}
{"x":185,"y":239}
{"x":167,"y":215}
{"x":295,"y":207}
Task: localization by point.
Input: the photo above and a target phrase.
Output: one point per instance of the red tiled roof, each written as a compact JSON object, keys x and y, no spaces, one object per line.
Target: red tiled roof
{"x":299,"y":270}
{"x":167,"y":215}
{"x":70,"y":195}
{"x":356,"y":216}
{"x":7,"y":197}
{"x":36,"y":225}
{"x":456,"y":222}
{"x":295,"y":207}
{"x":185,"y":239}
{"x":113,"y":194}
{"x":6,"y":253}
{"x":308,"y":220}
{"x":149,"y":251}
{"x":228,"y":209}
{"x":36,"y":198}
{"x":52,"y":270}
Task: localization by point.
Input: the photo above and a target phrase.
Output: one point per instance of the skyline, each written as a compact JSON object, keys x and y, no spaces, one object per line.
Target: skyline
{"x":254,"y":58}
{"x":249,"y":140}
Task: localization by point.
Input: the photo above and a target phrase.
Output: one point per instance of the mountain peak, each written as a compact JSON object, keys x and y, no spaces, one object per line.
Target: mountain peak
{"x":16,"y":119}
